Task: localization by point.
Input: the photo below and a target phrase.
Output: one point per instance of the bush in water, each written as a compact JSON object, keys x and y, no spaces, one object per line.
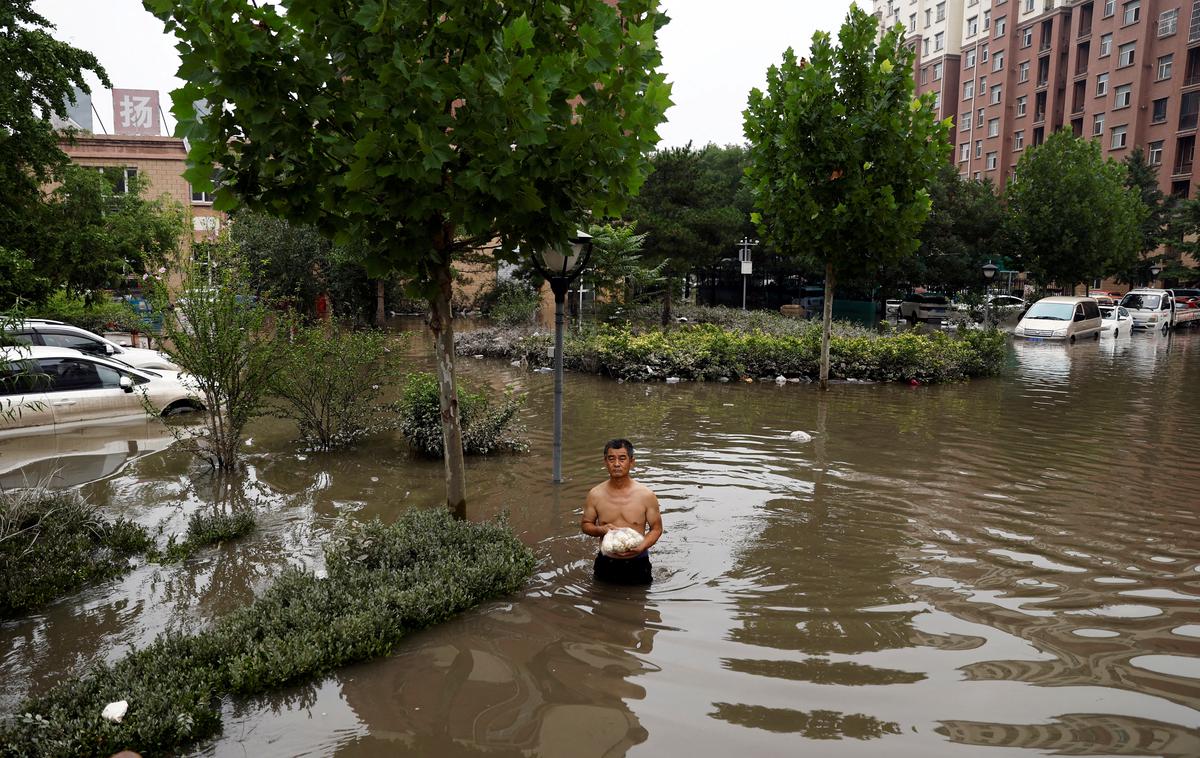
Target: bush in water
{"x":488,"y":425}
{"x":53,"y":543}
{"x":331,"y":384}
{"x":209,"y":528}
{"x":382,"y":583}
{"x":707,"y":352}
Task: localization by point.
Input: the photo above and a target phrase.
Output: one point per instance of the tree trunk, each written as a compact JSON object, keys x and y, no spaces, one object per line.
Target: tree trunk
{"x":443,"y":336}
{"x":380,"y":313}
{"x":666,"y":305}
{"x":826,"y":325}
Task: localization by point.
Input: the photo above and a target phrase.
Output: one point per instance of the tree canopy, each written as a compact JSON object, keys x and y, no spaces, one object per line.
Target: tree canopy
{"x":842,"y":152}
{"x":420,"y":130}
{"x":1071,"y":216}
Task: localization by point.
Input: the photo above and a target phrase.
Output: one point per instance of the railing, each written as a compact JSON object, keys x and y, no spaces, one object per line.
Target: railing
{"x":1188,"y":120}
{"x":1191,"y":80}
{"x":1182,"y":169}
{"x":1039,"y":117}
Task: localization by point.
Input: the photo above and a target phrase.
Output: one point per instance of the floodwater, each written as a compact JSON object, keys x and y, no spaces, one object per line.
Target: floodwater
{"x":1008,"y":567}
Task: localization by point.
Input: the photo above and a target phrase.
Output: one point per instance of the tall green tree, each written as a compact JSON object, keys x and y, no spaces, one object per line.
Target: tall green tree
{"x":95,"y":231}
{"x":38,"y":78}
{"x":617,"y":266}
{"x":1143,"y":179}
{"x":841,"y":155}
{"x":1071,"y":216}
{"x":689,"y":211}
{"x":422,"y":130}
{"x":1183,"y":243}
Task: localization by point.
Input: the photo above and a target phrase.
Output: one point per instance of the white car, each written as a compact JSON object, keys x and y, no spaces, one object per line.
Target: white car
{"x":1115,"y":321}
{"x":891,"y":307}
{"x":53,"y":386}
{"x":1061,"y":318}
{"x":1006,"y":302}
{"x":57,"y":334}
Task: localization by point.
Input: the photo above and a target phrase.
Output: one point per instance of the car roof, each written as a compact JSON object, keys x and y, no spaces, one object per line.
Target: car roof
{"x":1064,"y":299}
{"x":25,"y":352}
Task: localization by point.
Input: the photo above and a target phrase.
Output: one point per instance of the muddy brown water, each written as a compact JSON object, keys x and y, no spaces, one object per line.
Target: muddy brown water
{"x":1005,"y":567}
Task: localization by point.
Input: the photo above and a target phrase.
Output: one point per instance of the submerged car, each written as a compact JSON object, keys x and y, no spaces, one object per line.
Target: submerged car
{"x":57,"y":334}
{"x":1115,"y":320}
{"x":1061,"y":318}
{"x":54,"y":386}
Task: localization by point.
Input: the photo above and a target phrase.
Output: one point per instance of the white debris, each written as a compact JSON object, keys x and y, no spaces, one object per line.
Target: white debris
{"x":800,"y":437}
{"x":543,"y":370}
{"x":672,"y":380}
{"x":114,"y":712}
{"x":515,"y":363}
{"x":620,"y":541}
{"x":781,"y":379}
{"x":478,"y":356}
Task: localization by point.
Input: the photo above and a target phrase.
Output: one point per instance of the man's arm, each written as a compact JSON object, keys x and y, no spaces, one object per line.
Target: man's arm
{"x":590,"y":516}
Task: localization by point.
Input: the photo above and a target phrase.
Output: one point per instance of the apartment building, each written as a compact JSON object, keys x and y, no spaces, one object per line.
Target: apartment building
{"x":1010,"y":72}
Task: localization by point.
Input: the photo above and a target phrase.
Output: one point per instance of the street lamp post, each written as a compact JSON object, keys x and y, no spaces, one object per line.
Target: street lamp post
{"x":1155,"y":270}
{"x":989,"y":271}
{"x":561,"y":267}
{"x":747,"y":264}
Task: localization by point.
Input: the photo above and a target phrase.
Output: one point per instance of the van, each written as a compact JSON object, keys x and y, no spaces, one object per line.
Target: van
{"x":1061,"y":318}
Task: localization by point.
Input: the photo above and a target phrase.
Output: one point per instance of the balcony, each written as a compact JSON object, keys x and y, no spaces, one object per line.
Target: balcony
{"x":1039,"y":117}
{"x":1182,"y":169}
{"x":1187,"y":121}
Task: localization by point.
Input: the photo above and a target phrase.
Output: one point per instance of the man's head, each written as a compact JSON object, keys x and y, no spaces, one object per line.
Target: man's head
{"x":618,"y":458}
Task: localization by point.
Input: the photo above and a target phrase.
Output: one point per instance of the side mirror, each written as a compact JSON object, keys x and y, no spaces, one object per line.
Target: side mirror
{"x":109,"y":349}
{"x":126,"y":384}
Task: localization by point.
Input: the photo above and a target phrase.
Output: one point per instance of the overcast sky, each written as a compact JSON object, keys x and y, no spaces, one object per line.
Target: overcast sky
{"x":713,"y":52}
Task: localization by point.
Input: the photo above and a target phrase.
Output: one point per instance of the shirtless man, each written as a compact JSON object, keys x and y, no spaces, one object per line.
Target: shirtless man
{"x":622,"y":502}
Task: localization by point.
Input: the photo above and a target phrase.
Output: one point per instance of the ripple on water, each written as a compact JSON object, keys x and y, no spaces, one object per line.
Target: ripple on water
{"x":1174,"y":665}
{"x":1187,"y":630}
{"x":1095,"y":633}
{"x":1119,"y":611}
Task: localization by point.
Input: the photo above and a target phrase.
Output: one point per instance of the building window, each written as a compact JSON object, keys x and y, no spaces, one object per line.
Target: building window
{"x":987,"y":19}
{"x":912,"y":23}
{"x":1027,"y":36}
{"x":1168,"y":21}
{"x":964,"y":152}
{"x":1105,"y":45}
{"x":995,"y":94}
{"x":970,"y":59}
{"x":1023,"y":71}
{"x":1022,"y":101}
{"x":1154,"y":153}
{"x":120,"y":177}
{"x":1019,"y":140}
{"x":1001,"y":24}
{"x":972,"y":26}
{"x":991,"y":161}
{"x":1125,"y":54}
{"x":1122,"y":96}
{"x":994,"y":127}
{"x":941,"y":11}
{"x":998,"y":60}
{"x":925,"y":46}
{"x":939,"y":41}
{"x":1118,"y":137}
{"x":1110,"y":7}
{"x":1133,"y":11}
{"x":979,"y":117}
{"x":928,"y":17}
{"x":969,"y":90}
{"x":1101,"y":85}
{"x":978,"y":148}
{"x":937,"y":102}
{"x":937,"y":72}
{"x":1159,"y":111}
{"x":1098,"y":125}
{"x":1164,"y":66}
{"x":924,"y":74}
{"x":1029,"y":6}
{"x":964,"y":122}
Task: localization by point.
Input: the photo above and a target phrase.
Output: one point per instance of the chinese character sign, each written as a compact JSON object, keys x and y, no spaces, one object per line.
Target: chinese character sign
{"x":135,"y":111}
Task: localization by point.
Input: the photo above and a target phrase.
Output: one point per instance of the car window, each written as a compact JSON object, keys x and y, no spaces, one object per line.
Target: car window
{"x":21,"y":377}
{"x":75,"y":342}
{"x":20,"y":338}
{"x":1091,"y":309}
{"x":74,"y":374}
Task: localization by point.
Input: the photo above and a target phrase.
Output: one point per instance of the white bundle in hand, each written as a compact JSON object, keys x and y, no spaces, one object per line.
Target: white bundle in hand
{"x":620,"y":540}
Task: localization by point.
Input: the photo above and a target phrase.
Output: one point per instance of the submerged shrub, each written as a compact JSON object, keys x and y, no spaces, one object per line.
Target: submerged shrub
{"x":211,"y":527}
{"x":511,"y":303}
{"x":382,"y":583}
{"x":706,"y":352}
{"x":331,"y":384}
{"x":53,"y":543}
{"x":488,"y":424}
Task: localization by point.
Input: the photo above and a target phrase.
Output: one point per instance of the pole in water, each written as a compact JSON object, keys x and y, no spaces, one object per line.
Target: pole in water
{"x":559,"y":298}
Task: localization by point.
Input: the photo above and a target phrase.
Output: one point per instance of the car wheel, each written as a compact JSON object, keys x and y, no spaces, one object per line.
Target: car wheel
{"x":1116,"y":333}
{"x":1096,"y":336}
{"x":1072,"y":339}
{"x":179,"y":408}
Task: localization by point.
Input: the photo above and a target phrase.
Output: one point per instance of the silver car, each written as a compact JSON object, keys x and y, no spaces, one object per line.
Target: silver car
{"x":59,"y":387}
{"x":57,"y":334}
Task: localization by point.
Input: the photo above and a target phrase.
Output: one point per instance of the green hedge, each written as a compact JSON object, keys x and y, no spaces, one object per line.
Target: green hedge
{"x":702,"y":352}
{"x":382,"y":582}
{"x":488,"y":424}
{"x":53,"y":543}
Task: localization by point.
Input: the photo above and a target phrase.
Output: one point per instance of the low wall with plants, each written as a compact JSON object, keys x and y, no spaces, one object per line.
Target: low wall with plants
{"x":707,"y":352}
{"x":382,"y":582}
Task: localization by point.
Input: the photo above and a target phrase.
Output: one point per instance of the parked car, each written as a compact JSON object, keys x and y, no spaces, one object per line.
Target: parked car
{"x":1061,"y":318}
{"x":44,"y":386}
{"x":1157,"y":309}
{"x":1006,"y":301}
{"x":1186,"y":296}
{"x":928,"y":306}
{"x":1115,"y":320}
{"x":1105,"y":297}
{"x":57,"y":334}
{"x":892,"y":307}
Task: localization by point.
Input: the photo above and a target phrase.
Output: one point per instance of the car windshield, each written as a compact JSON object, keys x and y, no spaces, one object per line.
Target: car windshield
{"x":1141,"y":302}
{"x":1052,"y":311}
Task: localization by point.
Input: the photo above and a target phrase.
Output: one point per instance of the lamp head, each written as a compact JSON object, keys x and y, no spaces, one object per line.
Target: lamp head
{"x":989,"y":270}
{"x":561,"y":261}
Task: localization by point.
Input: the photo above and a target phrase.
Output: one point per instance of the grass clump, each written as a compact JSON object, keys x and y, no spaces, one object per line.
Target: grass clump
{"x":53,"y":543}
{"x":701,"y":352}
{"x":511,"y":303}
{"x":209,"y":528}
{"x":489,"y":424}
{"x":382,"y":583}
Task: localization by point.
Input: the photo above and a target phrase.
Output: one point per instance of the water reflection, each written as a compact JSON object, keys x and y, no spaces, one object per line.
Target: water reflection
{"x":941,"y":571}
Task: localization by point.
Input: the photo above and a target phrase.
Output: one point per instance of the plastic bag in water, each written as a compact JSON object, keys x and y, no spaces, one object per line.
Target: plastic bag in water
{"x":620,"y":541}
